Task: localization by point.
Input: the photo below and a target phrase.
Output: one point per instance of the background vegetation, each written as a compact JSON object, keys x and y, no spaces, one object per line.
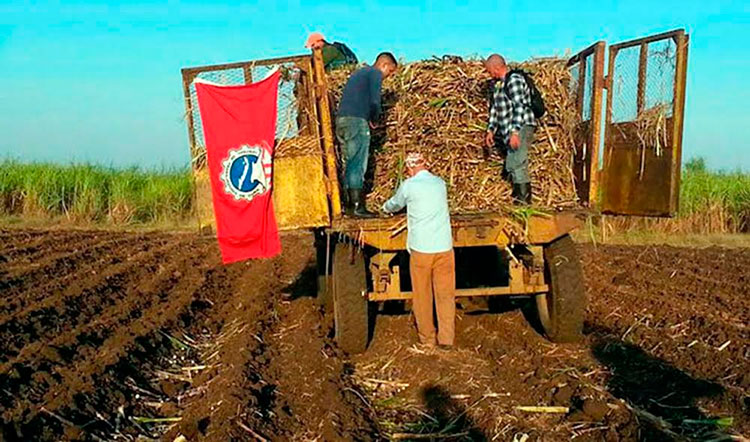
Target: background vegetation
{"x":710,"y":201}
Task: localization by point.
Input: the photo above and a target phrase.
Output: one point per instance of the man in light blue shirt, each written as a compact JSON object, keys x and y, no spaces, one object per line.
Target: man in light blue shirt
{"x":430,"y":244}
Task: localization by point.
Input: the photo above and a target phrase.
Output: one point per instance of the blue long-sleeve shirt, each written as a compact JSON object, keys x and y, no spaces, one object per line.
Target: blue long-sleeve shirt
{"x":361,"y":97}
{"x":428,"y":220}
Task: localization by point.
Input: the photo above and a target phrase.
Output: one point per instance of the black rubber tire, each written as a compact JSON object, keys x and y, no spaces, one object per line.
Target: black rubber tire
{"x":562,"y":310}
{"x":324,"y":296}
{"x":325,"y":292}
{"x":350,"y":305}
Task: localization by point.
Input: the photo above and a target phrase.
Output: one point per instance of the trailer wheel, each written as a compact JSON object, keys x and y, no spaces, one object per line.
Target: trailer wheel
{"x":324,"y":295}
{"x":350,"y":305}
{"x":562,"y":309}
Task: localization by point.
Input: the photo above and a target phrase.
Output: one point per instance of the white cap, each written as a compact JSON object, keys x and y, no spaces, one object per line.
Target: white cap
{"x":414,"y":159}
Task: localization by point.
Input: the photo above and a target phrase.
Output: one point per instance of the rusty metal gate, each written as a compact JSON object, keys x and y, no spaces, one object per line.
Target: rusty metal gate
{"x":644,"y":122}
{"x":300,"y":139}
{"x":587,"y":81}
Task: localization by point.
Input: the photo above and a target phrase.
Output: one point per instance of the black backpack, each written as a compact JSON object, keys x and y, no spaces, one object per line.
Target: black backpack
{"x":537,"y":102}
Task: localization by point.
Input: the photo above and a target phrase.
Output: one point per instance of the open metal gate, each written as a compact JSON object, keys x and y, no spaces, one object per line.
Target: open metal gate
{"x":641,"y":128}
{"x":644,"y":121}
{"x":587,"y":82}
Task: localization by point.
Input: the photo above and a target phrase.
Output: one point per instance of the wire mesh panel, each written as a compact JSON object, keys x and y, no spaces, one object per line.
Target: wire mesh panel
{"x":588,"y":87}
{"x":225,"y":77}
{"x":625,"y":85}
{"x":300,"y":186}
{"x":296,"y":122}
{"x":660,"y":74}
{"x":586,"y":74}
{"x":575,"y":77}
{"x":643,"y":140}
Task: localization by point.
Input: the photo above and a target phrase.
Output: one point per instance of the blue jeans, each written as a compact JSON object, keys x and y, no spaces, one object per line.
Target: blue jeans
{"x":354,"y":135}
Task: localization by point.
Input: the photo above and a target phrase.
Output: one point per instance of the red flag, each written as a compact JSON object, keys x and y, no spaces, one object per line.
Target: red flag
{"x":239,"y":124}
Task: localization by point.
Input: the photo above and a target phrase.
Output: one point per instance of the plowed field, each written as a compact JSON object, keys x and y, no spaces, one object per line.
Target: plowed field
{"x":116,"y":336}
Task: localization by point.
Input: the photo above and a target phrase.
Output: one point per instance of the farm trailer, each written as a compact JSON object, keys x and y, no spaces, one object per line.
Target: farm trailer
{"x":363,"y":262}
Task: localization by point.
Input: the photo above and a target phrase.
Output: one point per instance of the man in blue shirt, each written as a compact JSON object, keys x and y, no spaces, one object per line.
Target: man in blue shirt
{"x":358,"y":112}
{"x":430,"y":244}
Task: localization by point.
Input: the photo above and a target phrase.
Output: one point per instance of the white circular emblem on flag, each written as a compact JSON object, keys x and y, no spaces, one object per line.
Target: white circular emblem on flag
{"x":246,"y":172}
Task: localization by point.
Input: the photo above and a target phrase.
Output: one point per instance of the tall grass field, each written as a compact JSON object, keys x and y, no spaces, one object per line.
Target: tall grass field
{"x":715,"y":200}
{"x":710,"y":202}
{"x":95,"y":194}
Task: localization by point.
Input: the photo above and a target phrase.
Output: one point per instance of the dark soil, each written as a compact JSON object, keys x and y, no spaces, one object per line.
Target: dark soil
{"x":105,"y":333}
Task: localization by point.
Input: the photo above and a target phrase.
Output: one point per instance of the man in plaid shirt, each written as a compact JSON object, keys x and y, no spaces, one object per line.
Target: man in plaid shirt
{"x":511,"y":126}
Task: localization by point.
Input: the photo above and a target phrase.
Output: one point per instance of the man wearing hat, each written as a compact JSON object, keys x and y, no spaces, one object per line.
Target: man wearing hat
{"x":430,"y":245}
{"x":334,"y":54}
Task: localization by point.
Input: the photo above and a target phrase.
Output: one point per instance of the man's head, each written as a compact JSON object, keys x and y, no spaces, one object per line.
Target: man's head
{"x":386,"y":63}
{"x":315,"y":41}
{"x":415,"y":162}
{"x":495,"y":66}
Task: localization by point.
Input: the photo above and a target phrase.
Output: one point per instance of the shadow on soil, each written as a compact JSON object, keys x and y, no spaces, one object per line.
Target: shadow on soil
{"x":664,"y":397}
{"x":445,"y":419}
{"x":305,"y":285}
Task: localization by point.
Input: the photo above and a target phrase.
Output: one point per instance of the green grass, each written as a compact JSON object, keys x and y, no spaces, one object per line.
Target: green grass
{"x":653,"y":237}
{"x":722,"y":196}
{"x":714,"y":210}
{"x":88,"y":193}
{"x":710,"y":202}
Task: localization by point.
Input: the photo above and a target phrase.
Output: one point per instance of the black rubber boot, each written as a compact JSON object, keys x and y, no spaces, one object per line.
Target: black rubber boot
{"x":526,"y":193}
{"x":521,"y":194}
{"x":516,"y":195}
{"x":357,"y":200}
{"x":348,"y":203}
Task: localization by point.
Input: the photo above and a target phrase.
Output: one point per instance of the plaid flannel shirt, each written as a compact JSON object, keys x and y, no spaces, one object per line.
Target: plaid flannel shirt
{"x":509,"y":112}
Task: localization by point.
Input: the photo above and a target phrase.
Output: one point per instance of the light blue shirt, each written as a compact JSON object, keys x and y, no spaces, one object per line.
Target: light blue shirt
{"x":427,"y":217}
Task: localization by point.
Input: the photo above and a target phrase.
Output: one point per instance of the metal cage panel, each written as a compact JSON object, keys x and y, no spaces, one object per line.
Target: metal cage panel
{"x":643,"y":130}
{"x":587,"y":77}
{"x":303,"y":187}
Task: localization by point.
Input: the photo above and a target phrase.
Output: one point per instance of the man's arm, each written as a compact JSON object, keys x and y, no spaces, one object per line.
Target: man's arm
{"x":517,"y":91}
{"x":376,"y":81}
{"x":397,"y":201}
{"x":492,"y":125}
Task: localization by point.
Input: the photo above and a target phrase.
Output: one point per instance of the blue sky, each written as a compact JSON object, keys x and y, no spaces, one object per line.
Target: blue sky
{"x":100,"y":81}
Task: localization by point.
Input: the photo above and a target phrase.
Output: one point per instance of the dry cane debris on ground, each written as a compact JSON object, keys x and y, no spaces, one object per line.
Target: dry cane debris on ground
{"x":440,"y":107}
{"x":148,"y":335}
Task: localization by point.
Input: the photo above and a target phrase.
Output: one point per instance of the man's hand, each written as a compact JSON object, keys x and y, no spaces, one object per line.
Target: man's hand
{"x":515,"y":141}
{"x":489,"y":139}
{"x":373,"y":126}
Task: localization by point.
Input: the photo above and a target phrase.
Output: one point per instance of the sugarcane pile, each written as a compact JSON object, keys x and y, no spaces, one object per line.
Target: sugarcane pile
{"x":440,"y":108}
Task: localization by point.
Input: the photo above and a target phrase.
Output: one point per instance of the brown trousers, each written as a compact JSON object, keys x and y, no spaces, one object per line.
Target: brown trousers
{"x":433,"y":276}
